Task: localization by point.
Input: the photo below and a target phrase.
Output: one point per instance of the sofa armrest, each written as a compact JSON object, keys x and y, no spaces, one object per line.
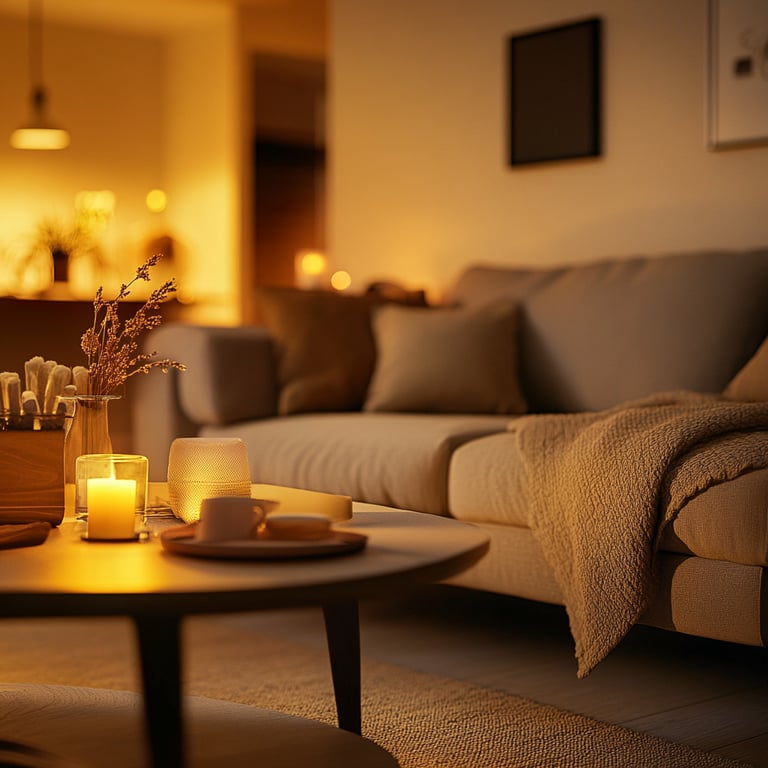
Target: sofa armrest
{"x":231,"y":373}
{"x":231,"y":376}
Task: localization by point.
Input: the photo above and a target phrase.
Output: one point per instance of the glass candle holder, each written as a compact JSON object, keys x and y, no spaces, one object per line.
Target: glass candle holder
{"x":205,"y":467}
{"x":110,"y":492}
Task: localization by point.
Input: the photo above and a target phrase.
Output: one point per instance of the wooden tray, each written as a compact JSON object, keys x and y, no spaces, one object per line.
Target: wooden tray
{"x":181,"y":541}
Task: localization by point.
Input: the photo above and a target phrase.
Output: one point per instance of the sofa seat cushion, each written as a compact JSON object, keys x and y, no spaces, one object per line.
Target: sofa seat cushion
{"x":728,"y":521}
{"x":486,"y":482}
{"x":398,"y":460}
{"x":695,"y":595}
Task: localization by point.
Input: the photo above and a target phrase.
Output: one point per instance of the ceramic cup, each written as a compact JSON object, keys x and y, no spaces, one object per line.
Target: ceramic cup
{"x":204,"y":467}
{"x":227,"y":518}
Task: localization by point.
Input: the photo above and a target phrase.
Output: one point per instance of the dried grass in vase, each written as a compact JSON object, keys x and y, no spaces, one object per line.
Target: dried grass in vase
{"x":112,"y":346}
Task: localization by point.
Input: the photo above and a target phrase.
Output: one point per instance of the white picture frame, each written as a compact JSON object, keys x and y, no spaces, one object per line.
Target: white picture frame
{"x":738,"y":73}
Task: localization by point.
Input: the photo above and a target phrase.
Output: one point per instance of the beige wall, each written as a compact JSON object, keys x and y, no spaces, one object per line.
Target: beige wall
{"x":419,"y":181}
{"x":203,"y":161}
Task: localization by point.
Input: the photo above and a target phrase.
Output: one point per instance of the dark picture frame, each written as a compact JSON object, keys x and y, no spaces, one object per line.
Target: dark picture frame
{"x":554,"y":92}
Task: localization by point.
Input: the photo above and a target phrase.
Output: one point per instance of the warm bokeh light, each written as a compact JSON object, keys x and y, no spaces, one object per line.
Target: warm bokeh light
{"x":313,"y":263}
{"x":341,"y":280}
{"x":184,"y":297}
{"x":310,"y":269}
{"x":95,"y":206}
{"x":156,"y":200}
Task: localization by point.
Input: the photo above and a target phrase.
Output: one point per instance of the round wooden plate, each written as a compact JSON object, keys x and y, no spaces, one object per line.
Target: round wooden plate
{"x":181,"y":541}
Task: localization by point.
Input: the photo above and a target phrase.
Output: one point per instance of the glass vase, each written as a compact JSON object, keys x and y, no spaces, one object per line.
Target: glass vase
{"x":88,"y":433}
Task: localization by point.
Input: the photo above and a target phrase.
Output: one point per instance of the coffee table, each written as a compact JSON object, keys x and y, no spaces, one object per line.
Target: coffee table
{"x":70,"y":577}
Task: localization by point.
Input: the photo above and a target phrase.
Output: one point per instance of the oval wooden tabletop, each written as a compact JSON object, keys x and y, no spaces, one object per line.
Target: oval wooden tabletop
{"x":67,"y":576}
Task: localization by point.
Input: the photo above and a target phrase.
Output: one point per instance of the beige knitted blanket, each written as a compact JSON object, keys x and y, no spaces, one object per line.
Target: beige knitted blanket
{"x":602,"y":487}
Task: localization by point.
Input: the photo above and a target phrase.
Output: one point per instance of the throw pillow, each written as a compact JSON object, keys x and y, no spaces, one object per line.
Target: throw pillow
{"x":750,"y":384}
{"x":446,"y":360}
{"x":324,"y":345}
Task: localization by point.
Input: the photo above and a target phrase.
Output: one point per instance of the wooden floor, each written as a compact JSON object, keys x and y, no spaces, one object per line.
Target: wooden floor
{"x":710,"y":695}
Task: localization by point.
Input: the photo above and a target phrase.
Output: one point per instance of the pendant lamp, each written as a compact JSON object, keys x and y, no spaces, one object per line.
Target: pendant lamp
{"x":38,"y":132}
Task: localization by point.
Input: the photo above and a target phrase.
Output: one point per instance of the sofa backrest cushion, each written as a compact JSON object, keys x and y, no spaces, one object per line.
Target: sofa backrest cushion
{"x":446,"y":360}
{"x":324,"y":346}
{"x":596,"y":335}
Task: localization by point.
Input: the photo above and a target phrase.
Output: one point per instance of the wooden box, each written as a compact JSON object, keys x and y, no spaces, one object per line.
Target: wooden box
{"x":32,"y":476}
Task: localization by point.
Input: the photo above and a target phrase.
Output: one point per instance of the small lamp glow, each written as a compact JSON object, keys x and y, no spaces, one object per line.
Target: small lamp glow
{"x":205,"y":467}
{"x":156,"y":200}
{"x":39,"y":137}
{"x":310,"y":268}
{"x":341,"y":280}
{"x":313,"y":263}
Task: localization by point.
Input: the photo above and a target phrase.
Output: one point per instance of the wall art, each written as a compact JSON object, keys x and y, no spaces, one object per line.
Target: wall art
{"x":554,"y":107}
{"x":738,"y":72}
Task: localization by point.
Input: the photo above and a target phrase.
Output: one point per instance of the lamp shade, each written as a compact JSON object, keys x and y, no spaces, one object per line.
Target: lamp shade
{"x":39,"y":132}
{"x":39,"y":137}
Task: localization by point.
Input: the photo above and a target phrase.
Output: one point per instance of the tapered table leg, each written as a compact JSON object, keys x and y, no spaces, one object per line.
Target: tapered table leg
{"x":342,"y":630}
{"x":160,"y":653}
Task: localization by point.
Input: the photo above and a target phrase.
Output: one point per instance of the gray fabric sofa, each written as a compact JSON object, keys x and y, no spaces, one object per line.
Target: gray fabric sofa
{"x":583,"y":338}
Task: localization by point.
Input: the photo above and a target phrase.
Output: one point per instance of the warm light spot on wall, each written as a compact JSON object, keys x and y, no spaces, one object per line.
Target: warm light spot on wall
{"x":341,"y":280}
{"x":156,"y":200}
{"x":310,"y":268}
{"x":94,"y":207}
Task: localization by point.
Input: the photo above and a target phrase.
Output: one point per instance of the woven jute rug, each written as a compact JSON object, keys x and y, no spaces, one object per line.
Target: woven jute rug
{"x":424,"y":720}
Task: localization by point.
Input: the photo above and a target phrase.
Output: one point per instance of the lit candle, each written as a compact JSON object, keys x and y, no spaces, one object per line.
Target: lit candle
{"x":111,"y":508}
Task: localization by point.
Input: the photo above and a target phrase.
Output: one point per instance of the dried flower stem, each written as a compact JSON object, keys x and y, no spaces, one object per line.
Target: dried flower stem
{"x":112,"y":347}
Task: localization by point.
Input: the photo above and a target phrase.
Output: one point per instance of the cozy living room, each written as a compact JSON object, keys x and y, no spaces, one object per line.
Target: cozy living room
{"x":384,"y":383}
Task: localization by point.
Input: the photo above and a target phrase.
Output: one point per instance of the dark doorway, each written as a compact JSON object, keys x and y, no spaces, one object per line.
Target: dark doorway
{"x":289,"y":164}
